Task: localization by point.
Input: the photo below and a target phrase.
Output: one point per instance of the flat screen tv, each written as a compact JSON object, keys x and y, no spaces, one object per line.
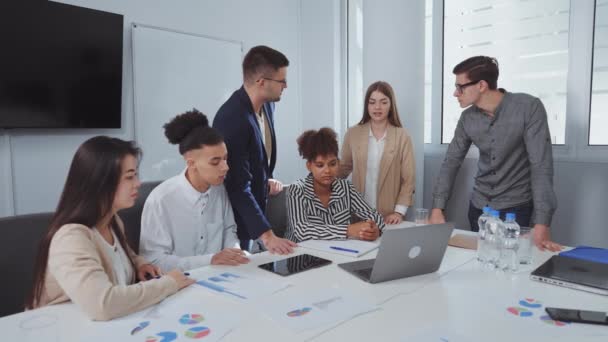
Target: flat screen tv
{"x":60,"y":66}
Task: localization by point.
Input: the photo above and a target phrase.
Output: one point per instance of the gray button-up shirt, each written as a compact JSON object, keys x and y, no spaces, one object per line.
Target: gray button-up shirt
{"x":515,"y":157}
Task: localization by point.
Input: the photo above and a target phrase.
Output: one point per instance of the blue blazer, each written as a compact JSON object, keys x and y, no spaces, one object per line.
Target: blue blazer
{"x":247,"y":179}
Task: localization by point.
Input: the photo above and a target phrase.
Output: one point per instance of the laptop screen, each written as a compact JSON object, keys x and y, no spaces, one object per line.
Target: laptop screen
{"x":576,"y":271}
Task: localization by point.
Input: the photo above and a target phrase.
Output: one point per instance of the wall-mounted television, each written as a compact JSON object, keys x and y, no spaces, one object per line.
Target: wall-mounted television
{"x":60,"y":66}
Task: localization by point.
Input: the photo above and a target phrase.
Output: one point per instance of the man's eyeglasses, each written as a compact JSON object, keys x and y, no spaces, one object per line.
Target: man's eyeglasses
{"x":284,"y":82}
{"x":460,"y":87}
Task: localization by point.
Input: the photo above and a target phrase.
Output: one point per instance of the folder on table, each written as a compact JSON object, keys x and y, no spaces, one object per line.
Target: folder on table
{"x":588,"y":253}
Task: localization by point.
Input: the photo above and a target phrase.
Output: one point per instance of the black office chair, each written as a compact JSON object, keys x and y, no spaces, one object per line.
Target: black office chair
{"x":276,"y":212}
{"x":132,"y":216}
{"x":21,"y":237}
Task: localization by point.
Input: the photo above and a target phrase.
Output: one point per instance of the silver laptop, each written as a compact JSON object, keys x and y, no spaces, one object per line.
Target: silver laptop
{"x":573,"y":273}
{"x":404,"y":252}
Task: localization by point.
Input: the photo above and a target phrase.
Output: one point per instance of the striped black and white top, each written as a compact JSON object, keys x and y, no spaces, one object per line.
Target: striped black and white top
{"x":309,"y":219}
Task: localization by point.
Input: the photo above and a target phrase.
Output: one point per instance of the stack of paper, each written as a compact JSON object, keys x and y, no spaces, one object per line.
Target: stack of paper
{"x":352,"y":248}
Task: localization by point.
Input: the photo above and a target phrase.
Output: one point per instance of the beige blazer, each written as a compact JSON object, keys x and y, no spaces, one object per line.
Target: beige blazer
{"x":79,"y":270}
{"x":396,"y":178}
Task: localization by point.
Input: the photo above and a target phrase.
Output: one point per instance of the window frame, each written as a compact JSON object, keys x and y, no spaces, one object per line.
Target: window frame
{"x":578,"y":100}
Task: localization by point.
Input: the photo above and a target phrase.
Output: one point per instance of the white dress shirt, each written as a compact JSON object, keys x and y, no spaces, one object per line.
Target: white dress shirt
{"x":375,"y":149}
{"x":183,"y":228}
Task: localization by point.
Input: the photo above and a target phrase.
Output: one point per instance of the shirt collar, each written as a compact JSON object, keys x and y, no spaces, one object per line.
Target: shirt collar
{"x":503,"y":102}
{"x":192,"y":195}
{"x":309,"y":190}
{"x":371,"y":134}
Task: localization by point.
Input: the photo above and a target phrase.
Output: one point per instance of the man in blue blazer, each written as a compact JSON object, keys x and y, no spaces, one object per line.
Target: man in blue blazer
{"x":246,"y":122}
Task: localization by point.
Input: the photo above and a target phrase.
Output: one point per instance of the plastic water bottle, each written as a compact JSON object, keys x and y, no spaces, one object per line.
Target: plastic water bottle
{"x":494,"y":228}
{"x":510,"y":244}
{"x":482,"y":250}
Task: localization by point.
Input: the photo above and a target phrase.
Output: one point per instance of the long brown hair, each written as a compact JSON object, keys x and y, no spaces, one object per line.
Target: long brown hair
{"x":87,"y":197}
{"x":387,"y":90}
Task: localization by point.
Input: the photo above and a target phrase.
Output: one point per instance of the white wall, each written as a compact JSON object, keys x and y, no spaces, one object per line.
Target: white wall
{"x":393,"y":51}
{"x":41,"y":157}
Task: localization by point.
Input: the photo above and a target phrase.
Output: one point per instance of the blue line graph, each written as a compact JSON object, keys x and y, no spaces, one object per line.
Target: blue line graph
{"x":218,"y":288}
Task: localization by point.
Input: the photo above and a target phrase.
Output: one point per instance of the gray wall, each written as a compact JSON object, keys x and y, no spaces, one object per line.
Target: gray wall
{"x":39,"y":160}
{"x":581,"y":189}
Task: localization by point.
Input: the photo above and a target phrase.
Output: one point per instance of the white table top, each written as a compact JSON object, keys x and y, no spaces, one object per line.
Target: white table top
{"x":460,"y":302}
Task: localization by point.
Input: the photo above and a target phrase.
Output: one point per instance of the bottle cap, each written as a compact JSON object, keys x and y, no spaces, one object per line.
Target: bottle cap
{"x":510,"y":217}
{"x":487,"y":209}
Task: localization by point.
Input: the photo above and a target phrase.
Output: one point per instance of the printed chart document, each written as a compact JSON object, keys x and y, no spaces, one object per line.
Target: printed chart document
{"x":181,"y":320}
{"x":235,"y":283}
{"x":350,"y":247}
{"x":301,"y":310}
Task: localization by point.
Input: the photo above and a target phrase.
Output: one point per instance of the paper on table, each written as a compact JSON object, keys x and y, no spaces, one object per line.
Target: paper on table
{"x":307,"y":310}
{"x":236,"y":283}
{"x":182,"y":322}
{"x":342,"y":247}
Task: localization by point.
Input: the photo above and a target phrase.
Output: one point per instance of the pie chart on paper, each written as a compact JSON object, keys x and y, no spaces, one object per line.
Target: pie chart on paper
{"x":191,"y":319}
{"x":519,"y":311}
{"x":530,"y":303}
{"x":197,"y":332}
{"x":164,"y":336}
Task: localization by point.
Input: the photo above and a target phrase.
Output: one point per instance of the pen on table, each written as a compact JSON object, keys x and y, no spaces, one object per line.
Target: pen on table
{"x":148,"y":276}
{"x":344,"y":249}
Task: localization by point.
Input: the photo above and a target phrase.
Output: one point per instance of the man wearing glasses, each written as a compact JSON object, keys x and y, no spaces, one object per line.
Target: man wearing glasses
{"x":246,"y":122}
{"x":515,"y":166}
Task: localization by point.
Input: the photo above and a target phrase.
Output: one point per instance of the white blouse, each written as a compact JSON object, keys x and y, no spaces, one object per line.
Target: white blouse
{"x":123,"y":270}
{"x":375,"y":149}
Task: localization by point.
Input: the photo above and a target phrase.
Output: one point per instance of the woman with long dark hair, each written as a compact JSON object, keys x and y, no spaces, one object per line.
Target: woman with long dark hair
{"x":84,"y":256}
{"x":379,"y":153}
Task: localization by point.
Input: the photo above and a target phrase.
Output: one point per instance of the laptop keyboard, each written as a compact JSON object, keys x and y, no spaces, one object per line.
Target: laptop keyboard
{"x":365,"y":272}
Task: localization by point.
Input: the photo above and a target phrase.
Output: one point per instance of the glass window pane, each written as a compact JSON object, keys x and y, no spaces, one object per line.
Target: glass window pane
{"x":530,"y":41}
{"x":598,"y":120}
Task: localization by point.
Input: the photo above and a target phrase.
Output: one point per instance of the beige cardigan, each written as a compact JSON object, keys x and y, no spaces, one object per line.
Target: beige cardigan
{"x":396,"y":177}
{"x":79,"y":270}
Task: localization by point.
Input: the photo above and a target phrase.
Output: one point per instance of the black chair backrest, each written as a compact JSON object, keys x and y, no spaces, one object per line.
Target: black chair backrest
{"x":132,"y":216}
{"x":21,"y":237}
{"x":276,"y":212}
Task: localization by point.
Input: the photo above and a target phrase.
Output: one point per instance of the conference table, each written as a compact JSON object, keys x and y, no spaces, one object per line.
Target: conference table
{"x":462,"y":301}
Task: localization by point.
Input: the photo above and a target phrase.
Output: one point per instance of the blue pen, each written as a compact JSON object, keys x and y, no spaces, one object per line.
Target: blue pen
{"x":344,"y":249}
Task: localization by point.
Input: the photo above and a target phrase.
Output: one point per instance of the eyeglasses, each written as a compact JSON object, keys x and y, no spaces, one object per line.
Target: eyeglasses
{"x":460,"y":87}
{"x":284,"y":82}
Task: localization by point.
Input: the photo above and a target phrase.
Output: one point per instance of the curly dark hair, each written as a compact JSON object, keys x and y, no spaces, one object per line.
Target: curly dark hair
{"x":191,"y":131}
{"x":323,"y":142}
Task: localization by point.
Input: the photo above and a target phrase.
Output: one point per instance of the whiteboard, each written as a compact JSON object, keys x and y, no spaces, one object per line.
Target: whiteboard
{"x":174,"y":72}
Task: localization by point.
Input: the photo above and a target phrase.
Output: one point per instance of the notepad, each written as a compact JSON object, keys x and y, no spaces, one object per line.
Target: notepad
{"x":588,"y":253}
{"x":463,"y":241}
{"x":351,"y":247}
